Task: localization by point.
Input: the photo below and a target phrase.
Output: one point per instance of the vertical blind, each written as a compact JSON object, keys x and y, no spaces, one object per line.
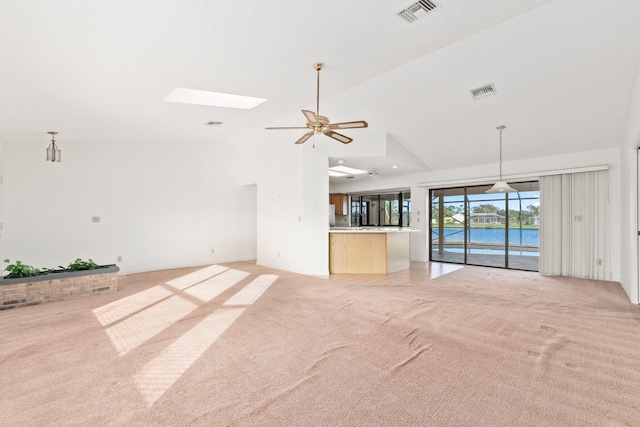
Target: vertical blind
{"x":574,"y":238}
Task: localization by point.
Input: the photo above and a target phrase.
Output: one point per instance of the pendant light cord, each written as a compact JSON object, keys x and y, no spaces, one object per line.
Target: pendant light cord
{"x":500,"y":128}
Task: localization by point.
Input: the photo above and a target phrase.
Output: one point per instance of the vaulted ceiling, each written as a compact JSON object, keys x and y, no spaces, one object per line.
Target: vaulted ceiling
{"x":99,"y":71}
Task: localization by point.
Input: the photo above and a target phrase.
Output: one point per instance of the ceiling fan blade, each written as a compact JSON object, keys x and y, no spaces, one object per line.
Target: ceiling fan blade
{"x":304,"y":137}
{"x":299,"y":127}
{"x":311,"y":116}
{"x":338,"y":136}
{"x":349,"y":125}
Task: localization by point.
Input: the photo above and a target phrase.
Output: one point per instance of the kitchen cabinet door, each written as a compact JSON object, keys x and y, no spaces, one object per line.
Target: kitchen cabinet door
{"x":340,"y":200}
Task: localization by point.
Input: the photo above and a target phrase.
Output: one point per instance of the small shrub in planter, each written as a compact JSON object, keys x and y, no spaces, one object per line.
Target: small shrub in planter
{"x":79,"y":264}
{"x":21,"y":270}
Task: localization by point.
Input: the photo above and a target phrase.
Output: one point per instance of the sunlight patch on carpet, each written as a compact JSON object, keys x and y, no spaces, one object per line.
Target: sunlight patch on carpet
{"x":250,"y":293}
{"x":131,"y":332}
{"x":136,"y":319}
{"x":122,"y":308}
{"x":155,"y":378}
{"x":191,"y":279}
{"x":211,"y":288}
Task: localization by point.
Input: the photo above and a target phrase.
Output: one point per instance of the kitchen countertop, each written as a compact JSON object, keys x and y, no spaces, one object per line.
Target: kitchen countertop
{"x":370,"y":230}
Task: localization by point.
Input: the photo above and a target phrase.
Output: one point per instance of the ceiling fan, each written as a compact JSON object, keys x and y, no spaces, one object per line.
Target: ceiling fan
{"x":320,"y":124}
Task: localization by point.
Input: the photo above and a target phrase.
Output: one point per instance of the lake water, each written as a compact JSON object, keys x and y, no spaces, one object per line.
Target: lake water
{"x":491,"y":235}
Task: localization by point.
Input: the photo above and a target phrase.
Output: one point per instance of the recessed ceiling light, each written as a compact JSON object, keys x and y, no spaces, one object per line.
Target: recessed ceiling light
{"x":347,"y":170}
{"x":394,"y":166}
{"x":213,"y":99}
{"x":340,"y":161}
{"x":213,"y":123}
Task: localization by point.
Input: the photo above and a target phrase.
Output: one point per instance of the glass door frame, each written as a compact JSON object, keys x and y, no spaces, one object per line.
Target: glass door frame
{"x":466,"y":202}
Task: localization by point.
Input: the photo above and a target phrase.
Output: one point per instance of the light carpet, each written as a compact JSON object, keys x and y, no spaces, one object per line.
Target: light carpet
{"x":474,"y":347}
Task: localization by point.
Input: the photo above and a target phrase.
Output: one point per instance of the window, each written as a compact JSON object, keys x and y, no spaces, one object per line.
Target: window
{"x":469,"y":226}
{"x":381,"y":210}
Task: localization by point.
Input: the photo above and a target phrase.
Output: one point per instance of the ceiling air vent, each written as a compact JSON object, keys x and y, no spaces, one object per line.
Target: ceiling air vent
{"x":414,"y":11}
{"x":483,"y":91}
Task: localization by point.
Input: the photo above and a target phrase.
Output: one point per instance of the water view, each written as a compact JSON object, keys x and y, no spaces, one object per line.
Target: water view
{"x":526,"y":237}
{"x":471,"y":226}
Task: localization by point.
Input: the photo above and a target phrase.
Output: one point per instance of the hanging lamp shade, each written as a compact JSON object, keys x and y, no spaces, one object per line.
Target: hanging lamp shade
{"x":501,"y":186}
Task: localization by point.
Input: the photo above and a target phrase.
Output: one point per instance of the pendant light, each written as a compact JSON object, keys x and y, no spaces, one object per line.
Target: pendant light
{"x":501,"y":186}
{"x":53,"y":152}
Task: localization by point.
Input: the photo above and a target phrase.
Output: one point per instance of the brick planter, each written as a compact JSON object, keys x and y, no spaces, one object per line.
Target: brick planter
{"x":57,"y":286}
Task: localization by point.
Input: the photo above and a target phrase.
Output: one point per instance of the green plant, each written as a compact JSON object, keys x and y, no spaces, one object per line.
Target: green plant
{"x":20,"y":270}
{"x":79,"y":264}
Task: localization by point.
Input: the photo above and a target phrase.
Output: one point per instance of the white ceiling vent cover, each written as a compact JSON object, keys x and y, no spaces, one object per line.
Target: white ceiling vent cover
{"x":416,"y":10}
{"x":483,"y":91}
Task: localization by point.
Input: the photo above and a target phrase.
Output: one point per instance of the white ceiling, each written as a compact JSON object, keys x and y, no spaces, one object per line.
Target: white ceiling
{"x":99,"y":71}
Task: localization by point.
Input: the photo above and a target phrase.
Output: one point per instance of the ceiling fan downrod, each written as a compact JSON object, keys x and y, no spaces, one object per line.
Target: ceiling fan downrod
{"x":318,"y":66}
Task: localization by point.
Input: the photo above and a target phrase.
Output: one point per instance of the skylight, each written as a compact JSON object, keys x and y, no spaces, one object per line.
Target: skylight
{"x":213,"y":99}
{"x":346,"y":170}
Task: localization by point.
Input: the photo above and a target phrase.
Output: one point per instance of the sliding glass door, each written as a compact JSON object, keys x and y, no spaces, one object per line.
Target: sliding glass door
{"x":487,"y":230}
{"x":524,"y":216}
{"x":471,"y":227}
{"x":448,"y":225}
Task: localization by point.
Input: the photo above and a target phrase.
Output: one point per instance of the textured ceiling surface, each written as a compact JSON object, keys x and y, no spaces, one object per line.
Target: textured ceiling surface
{"x":99,"y":71}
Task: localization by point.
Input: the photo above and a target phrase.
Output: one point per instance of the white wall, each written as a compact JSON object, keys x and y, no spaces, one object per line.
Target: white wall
{"x":160,"y":205}
{"x":293,"y":206}
{"x":419,"y":194}
{"x":629,"y":190}
{"x":167,"y":205}
{"x":2,"y":257}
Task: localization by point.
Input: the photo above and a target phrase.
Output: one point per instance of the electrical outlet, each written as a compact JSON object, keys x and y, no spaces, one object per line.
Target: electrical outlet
{"x":95,"y":219}
{"x":213,"y":251}
{"x":119,"y":259}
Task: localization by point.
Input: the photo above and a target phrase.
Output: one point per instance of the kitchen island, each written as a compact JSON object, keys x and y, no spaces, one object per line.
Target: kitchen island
{"x":369,"y":250}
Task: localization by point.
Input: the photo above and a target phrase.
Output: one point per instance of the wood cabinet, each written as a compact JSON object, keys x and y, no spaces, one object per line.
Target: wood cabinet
{"x":341,"y":201}
{"x":369,"y":252}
